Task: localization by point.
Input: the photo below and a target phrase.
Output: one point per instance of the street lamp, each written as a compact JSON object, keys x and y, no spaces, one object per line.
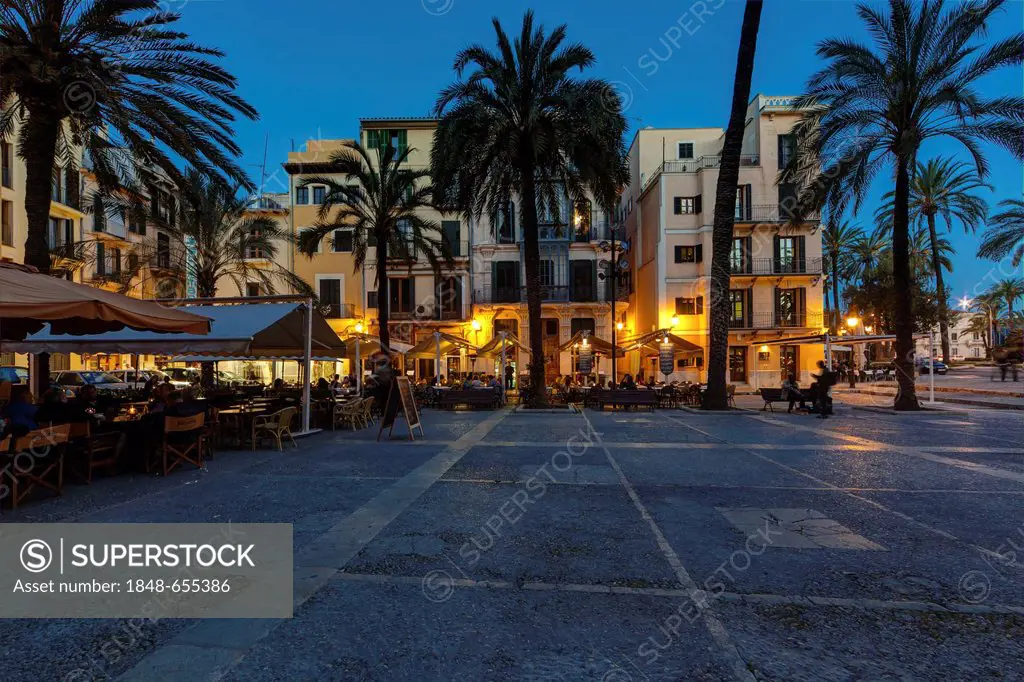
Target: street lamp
{"x":674,"y":320}
{"x":476,"y":325}
{"x":359,"y":327}
{"x":619,"y":326}
{"x":852,"y":322}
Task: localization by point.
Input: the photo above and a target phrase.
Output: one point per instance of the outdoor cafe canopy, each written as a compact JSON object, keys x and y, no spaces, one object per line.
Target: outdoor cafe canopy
{"x":651,"y":342}
{"x":370,"y":345}
{"x":262,"y":330}
{"x":493,"y":347}
{"x":440,"y":343}
{"x":599,"y":344}
{"x":29,"y":300}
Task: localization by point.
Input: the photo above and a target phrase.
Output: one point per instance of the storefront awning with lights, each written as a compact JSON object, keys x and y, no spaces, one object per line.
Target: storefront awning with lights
{"x":651,"y":341}
{"x":599,"y":344}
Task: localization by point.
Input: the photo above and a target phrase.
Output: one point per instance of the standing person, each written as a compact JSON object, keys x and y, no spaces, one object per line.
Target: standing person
{"x":852,"y":374}
{"x":380,"y":382}
{"x":825,"y":381}
{"x":510,"y":376}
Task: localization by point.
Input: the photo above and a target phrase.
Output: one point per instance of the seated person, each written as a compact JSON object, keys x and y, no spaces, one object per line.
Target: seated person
{"x":628,"y":383}
{"x":20,"y":413}
{"x":791,"y":392}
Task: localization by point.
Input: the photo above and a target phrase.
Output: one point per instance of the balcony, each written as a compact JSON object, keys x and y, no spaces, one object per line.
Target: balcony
{"x":694,"y":165}
{"x":777,"y":266}
{"x":769,"y":213}
{"x":778,"y":320}
{"x":338,"y":311}
{"x":167,"y":261}
{"x":549,"y":294}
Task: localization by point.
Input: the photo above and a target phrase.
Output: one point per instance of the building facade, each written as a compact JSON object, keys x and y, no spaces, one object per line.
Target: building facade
{"x":966,"y":340}
{"x":776,"y":269}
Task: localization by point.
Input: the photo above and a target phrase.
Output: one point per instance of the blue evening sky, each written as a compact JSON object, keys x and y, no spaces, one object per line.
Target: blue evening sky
{"x":314,"y":67}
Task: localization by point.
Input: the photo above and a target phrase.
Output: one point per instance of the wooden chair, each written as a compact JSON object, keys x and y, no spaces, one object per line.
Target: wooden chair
{"x":91,"y":451}
{"x":184,"y":441}
{"x":274,"y":426}
{"x":368,"y":418}
{"x":37,"y":459}
{"x":350,"y":413}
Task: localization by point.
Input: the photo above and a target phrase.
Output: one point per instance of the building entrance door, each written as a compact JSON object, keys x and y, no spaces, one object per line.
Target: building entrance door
{"x":549,"y":332}
{"x":738,"y":364}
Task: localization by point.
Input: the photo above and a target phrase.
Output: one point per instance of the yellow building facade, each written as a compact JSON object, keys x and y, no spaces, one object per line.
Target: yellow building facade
{"x":776,"y":269}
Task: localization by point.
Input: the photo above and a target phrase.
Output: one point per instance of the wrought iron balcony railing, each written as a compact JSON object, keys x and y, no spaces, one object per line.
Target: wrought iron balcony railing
{"x":776,"y":266}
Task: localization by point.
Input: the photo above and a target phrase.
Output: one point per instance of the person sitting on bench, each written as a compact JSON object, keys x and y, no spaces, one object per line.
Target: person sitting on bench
{"x":791,"y":392}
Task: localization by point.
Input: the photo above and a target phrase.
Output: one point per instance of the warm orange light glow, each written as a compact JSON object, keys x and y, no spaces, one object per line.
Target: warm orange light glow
{"x":476,"y":325}
{"x":674,"y":320}
{"x":359,"y":327}
{"x":868,"y":329}
{"x":852,"y":322}
{"x":619,"y":326}
{"x":764,"y":349}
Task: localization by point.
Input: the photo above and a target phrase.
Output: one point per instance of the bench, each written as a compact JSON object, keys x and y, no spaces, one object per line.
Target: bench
{"x":473,"y":397}
{"x":623,"y":398}
{"x":771,"y":395}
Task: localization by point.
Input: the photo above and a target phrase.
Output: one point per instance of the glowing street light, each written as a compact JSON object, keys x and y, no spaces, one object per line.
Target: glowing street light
{"x":476,"y":325}
{"x":359,"y":327}
{"x":966,"y":302}
{"x":674,"y":320}
{"x":619,"y":326}
{"x":852,"y":321}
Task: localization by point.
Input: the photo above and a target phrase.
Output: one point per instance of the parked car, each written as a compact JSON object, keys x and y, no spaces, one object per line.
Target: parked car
{"x":138,"y":378}
{"x":183,"y":377}
{"x":15,"y":375}
{"x":103,"y":381}
{"x":924,"y":366}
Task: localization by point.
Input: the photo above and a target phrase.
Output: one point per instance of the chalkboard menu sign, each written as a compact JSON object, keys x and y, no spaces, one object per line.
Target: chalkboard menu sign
{"x":400,"y":398}
{"x":666,"y":357}
{"x":586,"y":359}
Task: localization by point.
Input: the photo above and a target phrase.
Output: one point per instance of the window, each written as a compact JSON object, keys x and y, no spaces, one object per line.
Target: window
{"x":739,"y":309}
{"x":330,"y":296}
{"x":790,"y":305}
{"x":690,"y":306}
{"x":505,"y":282}
{"x":342,"y":242}
{"x":976,"y":352}
{"x":952,"y":336}
{"x":684,"y":150}
{"x":687,"y":205}
{"x":583,"y":274}
{"x":252,"y":289}
{"x":739,"y":256}
{"x":510,"y":326}
{"x":451,"y":237}
{"x":101,"y":259}
{"x":400,"y":294}
{"x":382,"y":139}
{"x":319,"y":192}
{"x":789,"y":254}
{"x":689,"y":254}
{"x":956,"y":351}
{"x":7,"y":165}
{"x":449,"y":298}
{"x":163,"y":250}
{"x":787,"y":150}
{"x":976,"y":336}
{"x":371,"y":300}
{"x":505,"y":224}
{"x":582,"y":324}
{"x":254,"y":249}
{"x":7,"y":223}
{"x":547,"y":273}
{"x":301,"y":196}
{"x":743,"y":201}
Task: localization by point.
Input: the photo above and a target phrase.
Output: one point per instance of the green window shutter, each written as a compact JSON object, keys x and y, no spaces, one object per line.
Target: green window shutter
{"x":700,"y":305}
{"x":748,"y":196}
{"x":677,"y":205}
{"x":373,"y":139}
{"x":101,"y":263}
{"x":698,"y":204}
{"x":403,"y":141}
{"x":679,"y":254}
{"x":699,"y":251}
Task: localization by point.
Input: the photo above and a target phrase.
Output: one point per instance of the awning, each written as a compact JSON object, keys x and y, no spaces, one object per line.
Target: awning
{"x":599,"y":344}
{"x":820,"y":338}
{"x":30,"y":299}
{"x":493,"y":347}
{"x":370,"y":345}
{"x":652,"y":341}
{"x":450,"y":345}
{"x":259,"y":330}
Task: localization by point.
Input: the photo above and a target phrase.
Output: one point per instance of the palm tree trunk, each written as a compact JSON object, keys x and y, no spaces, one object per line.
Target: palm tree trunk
{"x":833,"y":324}
{"x":383,"y":302}
{"x":531,"y":244}
{"x":906,"y":397}
{"x":940,"y":290}
{"x":716,"y":398}
{"x":206,"y":287}
{"x":39,"y":150}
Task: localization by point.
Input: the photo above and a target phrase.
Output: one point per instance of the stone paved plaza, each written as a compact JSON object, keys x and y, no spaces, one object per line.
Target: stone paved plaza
{"x":599,"y":546}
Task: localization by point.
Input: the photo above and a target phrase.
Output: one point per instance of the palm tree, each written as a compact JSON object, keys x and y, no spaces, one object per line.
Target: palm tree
{"x":1009,"y":290}
{"x":941,"y":187}
{"x":519,"y":124}
{"x":839,"y":240}
{"x":1005,"y":233}
{"x":867,"y":252}
{"x":104,"y":75}
{"x":384,"y":211}
{"x":979,"y":325}
{"x":716,"y":397}
{"x":231,"y":240}
{"x":872,"y":107}
{"x":924,"y":253}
